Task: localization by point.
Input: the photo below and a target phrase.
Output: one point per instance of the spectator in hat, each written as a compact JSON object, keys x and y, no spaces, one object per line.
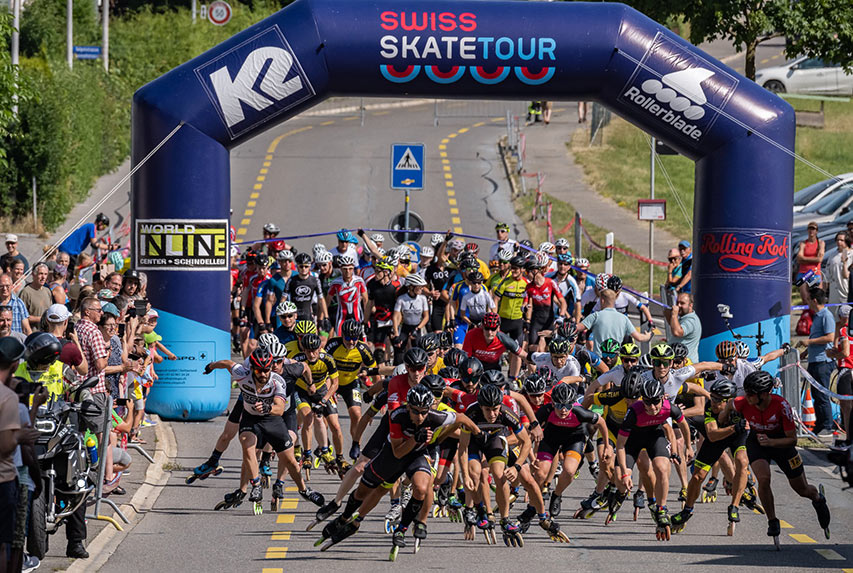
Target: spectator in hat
{"x":20,"y":314}
{"x":130,"y":284}
{"x":36,"y":295}
{"x":809,"y":256}
{"x":686,"y":252}
{"x":86,"y":236}
{"x":12,"y":253}
{"x":57,"y":317}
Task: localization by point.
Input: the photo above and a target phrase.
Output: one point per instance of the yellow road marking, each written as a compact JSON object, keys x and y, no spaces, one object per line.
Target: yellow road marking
{"x":382,"y":113}
{"x":451,"y":192}
{"x":446,"y":167}
{"x":445,"y":140}
{"x":785,"y":525}
{"x":463,"y":130}
{"x":451,"y":201}
{"x":456,"y":220}
{"x":254,"y":195}
{"x":281,"y":536}
{"x":291,"y":488}
{"x":328,"y":122}
{"x":350,"y":118}
{"x":448,"y":184}
{"x":498,"y":119}
{"x":245,"y":221}
{"x":268,"y":157}
{"x":261,"y":178}
{"x":285,"y":518}
{"x":773,"y":58}
{"x":277,"y":140}
{"x":830,"y":554}
{"x":285,"y":504}
{"x":479,"y":124}
{"x":452,"y":135}
{"x":442,"y":146}
{"x":442,"y":153}
{"x":249,"y":212}
{"x":448,"y":176}
{"x":252,"y":204}
{"x":458,"y":230}
{"x":241,"y":231}
{"x":267,"y":163}
{"x":454,"y":211}
{"x":274,"y":570}
{"x":275,"y":553}
{"x":765,"y":60}
{"x":802,"y":538}
{"x":445,"y":161}
{"x":264,"y":171}
{"x":259,"y":186}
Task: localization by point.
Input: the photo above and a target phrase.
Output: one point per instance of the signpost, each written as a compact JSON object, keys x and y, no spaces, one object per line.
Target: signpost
{"x":87,"y":52}
{"x":407,"y":172}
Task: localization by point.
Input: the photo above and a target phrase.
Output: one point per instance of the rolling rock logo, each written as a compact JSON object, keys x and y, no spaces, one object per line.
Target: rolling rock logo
{"x":687,"y":99}
{"x":740,"y":253}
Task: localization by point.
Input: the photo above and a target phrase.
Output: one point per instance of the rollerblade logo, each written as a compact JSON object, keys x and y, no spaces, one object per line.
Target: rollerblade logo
{"x":764,"y":254}
{"x":429,"y":41}
{"x":683,"y":90}
{"x":255,"y":81}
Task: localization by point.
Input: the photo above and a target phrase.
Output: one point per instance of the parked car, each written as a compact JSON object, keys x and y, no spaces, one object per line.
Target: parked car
{"x":806,"y":76}
{"x":817,"y":191}
{"x":828,"y":208}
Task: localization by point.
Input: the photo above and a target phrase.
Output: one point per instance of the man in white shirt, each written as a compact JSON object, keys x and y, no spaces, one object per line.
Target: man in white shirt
{"x":504,"y":242}
{"x":838,"y":270}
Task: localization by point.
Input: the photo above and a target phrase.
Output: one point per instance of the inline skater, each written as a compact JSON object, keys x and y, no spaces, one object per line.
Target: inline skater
{"x":559,"y":360}
{"x":348,"y":293}
{"x":381,"y":297}
{"x":286,"y":312}
{"x":488,"y":344}
{"x":510,"y":295}
{"x":411,"y":314}
{"x":304,"y":289}
{"x":543,"y":295}
{"x":566,"y":283}
{"x":773,"y":437}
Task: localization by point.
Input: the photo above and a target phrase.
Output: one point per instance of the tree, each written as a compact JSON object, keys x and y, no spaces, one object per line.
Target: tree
{"x":820,"y":29}
{"x":8,"y":77}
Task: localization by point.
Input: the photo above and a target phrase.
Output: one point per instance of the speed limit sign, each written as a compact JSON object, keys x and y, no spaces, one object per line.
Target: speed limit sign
{"x":219,"y":12}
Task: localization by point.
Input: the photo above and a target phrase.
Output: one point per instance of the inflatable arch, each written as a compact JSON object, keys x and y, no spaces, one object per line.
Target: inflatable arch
{"x":738,"y":134}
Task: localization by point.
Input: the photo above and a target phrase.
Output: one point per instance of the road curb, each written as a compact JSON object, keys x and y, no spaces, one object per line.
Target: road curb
{"x":107,"y":541}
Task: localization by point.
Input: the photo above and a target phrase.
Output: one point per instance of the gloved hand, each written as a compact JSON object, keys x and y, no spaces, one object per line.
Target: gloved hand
{"x":366,"y":397}
{"x":318,"y":408}
{"x":422,"y":435}
{"x":315,"y":398}
{"x":525,"y":326}
{"x":208,"y":368}
{"x":480,"y":439}
{"x":740,"y":427}
{"x":325,"y":325}
{"x":728,"y":369}
{"x":354,"y":451}
{"x":508,"y":341}
{"x":398,"y":340}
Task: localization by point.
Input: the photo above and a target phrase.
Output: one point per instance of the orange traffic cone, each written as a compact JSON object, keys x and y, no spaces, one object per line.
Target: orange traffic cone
{"x":809,"y":417}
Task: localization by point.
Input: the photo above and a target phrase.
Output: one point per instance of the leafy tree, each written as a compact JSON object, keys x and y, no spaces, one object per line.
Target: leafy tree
{"x":11,"y":84}
{"x":818,"y":28}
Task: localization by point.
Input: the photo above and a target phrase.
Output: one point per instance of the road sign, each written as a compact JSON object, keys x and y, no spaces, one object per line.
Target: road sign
{"x":87,"y":52}
{"x":651,"y":209}
{"x":398,"y":221}
{"x":219,"y":12}
{"x":407,"y":166}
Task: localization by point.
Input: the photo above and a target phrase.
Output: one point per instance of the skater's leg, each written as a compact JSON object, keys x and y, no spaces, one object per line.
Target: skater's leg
{"x":571,"y":461}
{"x":761,"y":471}
{"x":738,"y":481}
{"x":337,"y":435}
{"x":661,"y":471}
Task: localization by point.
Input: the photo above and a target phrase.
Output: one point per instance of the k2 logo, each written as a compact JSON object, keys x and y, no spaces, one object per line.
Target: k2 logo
{"x":255,"y":81}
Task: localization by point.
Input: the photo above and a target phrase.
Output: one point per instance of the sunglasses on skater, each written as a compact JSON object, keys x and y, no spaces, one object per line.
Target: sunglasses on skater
{"x":650,"y":402}
{"x":662,"y":362}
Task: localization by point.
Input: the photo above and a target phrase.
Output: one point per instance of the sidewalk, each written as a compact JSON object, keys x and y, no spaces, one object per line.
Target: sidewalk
{"x":547,"y":153}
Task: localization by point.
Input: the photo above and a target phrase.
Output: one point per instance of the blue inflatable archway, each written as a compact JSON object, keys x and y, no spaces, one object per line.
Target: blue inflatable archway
{"x":735,"y":131}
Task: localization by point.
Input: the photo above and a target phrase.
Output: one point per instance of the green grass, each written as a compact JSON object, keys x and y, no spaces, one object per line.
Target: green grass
{"x":619,"y":168}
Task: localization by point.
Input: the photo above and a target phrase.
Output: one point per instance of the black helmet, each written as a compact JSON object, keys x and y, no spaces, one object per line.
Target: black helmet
{"x":352,"y":329}
{"x":526,"y":243}
{"x":564,"y":394}
{"x":420,"y":397}
{"x":476,"y":277}
{"x":131,"y":274}
{"x":435,"y":383}
{"x":723,"y":388}
{"x":547,"y":374}
{"x":632,"y":384}
{"x":261,"y":358}
{"x":652,"y":390}
{"x":471,"y":370}
{"x":445,"y":339}
{"x":559,"y":346}
{"x":311,"y":341}
{"x":680,"y":350}
{"x":429,"y":342}
{"x":449,"y":373}
{"x":518,"y":261}
{"x":495,"y":377}
{"x":100,"y":218}
{"x":303,"y":259}
{"x":415,"y":358}
{"x":455,"y":357}
{"x":43,"y":349}
{"x":490,"y":396}
{"x":568,"y":330}
{"x":614,"y":283}
{"x":11,"y":350}
{"x":758,"y":382}
{"x":535,"y":384}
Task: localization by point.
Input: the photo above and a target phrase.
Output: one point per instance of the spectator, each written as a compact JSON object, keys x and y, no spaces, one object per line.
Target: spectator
{"x":820,"y":365}
{"x":673,"y":269}
{"x":117,"y":360}
{"x":504,"y":242}
{"x":16,"y":271}
{"x":36,"y":295}
{"x":684,"y":325}
{"x":19,"y":309}
{"x":12,"y":253}
{"x":86,"y":236}
{"x":6,"y":324}
{"x":113,"y":282}
{"x":58,"y":316}
{"x":58,"y":283}
{"x":96,"y":352}
{"x":841,"y":351}
{"x":838,"y":270}
{"x":130,"y":284}
{"x":610,"y":323}
{"x":686,"y":253}
{"x":850,"y":230}
{"x":809,"y":256}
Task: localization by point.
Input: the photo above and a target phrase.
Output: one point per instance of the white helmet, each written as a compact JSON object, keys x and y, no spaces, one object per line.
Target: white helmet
{"x":504,"y":255}
{"x":277,"y":349}
{"x":601,"y":281}
{"x":377,"y":238}
{"x":561,"y":242}
{"x":235,"y":251}
{"x":582,"y":263}
{"x":546,"y":247}
{"x":436,"y":240}
{"x":323,"y":257}
{"x":380,"y":251}
{"x":456,"y":245}
{"x":267,"y":339}
{"x":427,"y":252}
{"x":414,"y":280}
{"x":742,"y":349}
{"x":392,"y":257}
{"x":271,"y":228}
{"x":285,"y":307}
{"x":285,"y":255}
{"x":346,"y":261}
{"x":318,"y":248}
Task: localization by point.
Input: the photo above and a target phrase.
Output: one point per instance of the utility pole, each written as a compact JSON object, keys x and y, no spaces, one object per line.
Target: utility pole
{"x":194,"y":9}
{"x":69,"y":33}
{"x":105,"y":17}
{"x":652,"y":223}
{"x":16,"y":46}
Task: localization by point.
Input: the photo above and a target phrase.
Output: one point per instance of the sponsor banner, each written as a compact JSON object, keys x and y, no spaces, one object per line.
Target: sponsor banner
{"x":182,"y":244}
{"x":255,"y":81}
{"x":680,"y":88}
{"x":746,"y":253}
{"x":416,"y":41}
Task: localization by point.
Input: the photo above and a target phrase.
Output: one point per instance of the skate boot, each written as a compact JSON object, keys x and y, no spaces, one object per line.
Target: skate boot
{"x":392,"y":518}
{"x":639,"y":502}
{"x":511,"y":533}
{"x":663,"y":531}
{"x":680,"y":519}
{"x":204,"y":471}
{"x":323,"y":514}
{"x":232,"y":499}
{"x":256,"y":496}
{"x":314,"y":497}
{"x":709,"y":491}
{"x":552,"y":528}
{"x":734,"y":517}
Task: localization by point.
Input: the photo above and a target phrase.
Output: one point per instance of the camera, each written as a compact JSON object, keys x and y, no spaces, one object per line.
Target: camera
{"x":725,"y":311}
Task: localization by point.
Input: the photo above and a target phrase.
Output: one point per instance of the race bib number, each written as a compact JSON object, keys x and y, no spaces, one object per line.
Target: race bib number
{"x":795,"y":462}
{"x":356,"y":396}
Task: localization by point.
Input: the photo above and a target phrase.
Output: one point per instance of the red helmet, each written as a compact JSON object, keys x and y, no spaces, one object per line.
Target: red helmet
{"x":472,"y":248}
{"x":491,"y":321}
{"x":261,"y":359}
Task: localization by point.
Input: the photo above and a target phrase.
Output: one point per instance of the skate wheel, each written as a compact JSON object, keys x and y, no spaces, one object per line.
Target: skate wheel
{"x":493,"y":536}
{"x":328,"y":543}
{"x":218,"y":470}
{"x":435,"y":511}
{"x":190,"y":479}
{"x":219,"y":506}
{"x":826,"y":532}
{"x":730,"y":530}
{"x":258,"y":509}
{"x":714,"y":498}
{"x":312,"y":525}
{"x":387,"y":526}
{"x":319,"y":542}
{"x":417,"y":545}
{"x":274,"y":505}
{"x":608,"y":519}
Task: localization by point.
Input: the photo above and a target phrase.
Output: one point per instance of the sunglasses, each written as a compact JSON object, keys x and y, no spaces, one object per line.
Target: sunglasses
{"x":666,"y":363}
{"x":650,"y":402}
{"x":672,"y":258}
{"x":609,"y":354}
{"x":562,"y":406}
{"x":260,"y":370}
{"x":304,"y":266}
{"x":628,"y":360}
{"x":350,"y":338}
{"x":718,"y":400}
{"x":416,"y":368}
{"x":419,"y":412}
{"x":489,"y":328}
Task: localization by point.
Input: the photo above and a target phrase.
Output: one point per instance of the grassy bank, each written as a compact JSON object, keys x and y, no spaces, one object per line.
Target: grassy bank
{"x":619,"y":168}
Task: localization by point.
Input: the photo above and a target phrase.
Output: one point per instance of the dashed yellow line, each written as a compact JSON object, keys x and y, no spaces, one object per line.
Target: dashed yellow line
{"x":258,"y":186}
{"x":325,"y":123}
{"x":254,"y":195}
{"x":448,"y":184}
{"x":479,"y":124}
{"x":351,"y":118}
{"x":785,"y":525}
{"x":249,"y":212}
{"x":285,"y":518}
{"x":262,"y":178}
{"x":829,"y":554}
{"x":451,"y":201}
{"x":802,"y":538}
{"x":245,"y":221}
{"x":281,"y":536}
{"x":273,"y":570}
{"x":252,"y":203}
{"x":381,"y":113}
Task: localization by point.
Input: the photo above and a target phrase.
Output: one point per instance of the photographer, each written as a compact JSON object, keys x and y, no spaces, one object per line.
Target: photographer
{"x":57,"y":323}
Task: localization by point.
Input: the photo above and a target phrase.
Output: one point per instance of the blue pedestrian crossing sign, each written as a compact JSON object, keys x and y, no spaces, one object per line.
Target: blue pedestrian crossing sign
{"x":407,"y":166}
